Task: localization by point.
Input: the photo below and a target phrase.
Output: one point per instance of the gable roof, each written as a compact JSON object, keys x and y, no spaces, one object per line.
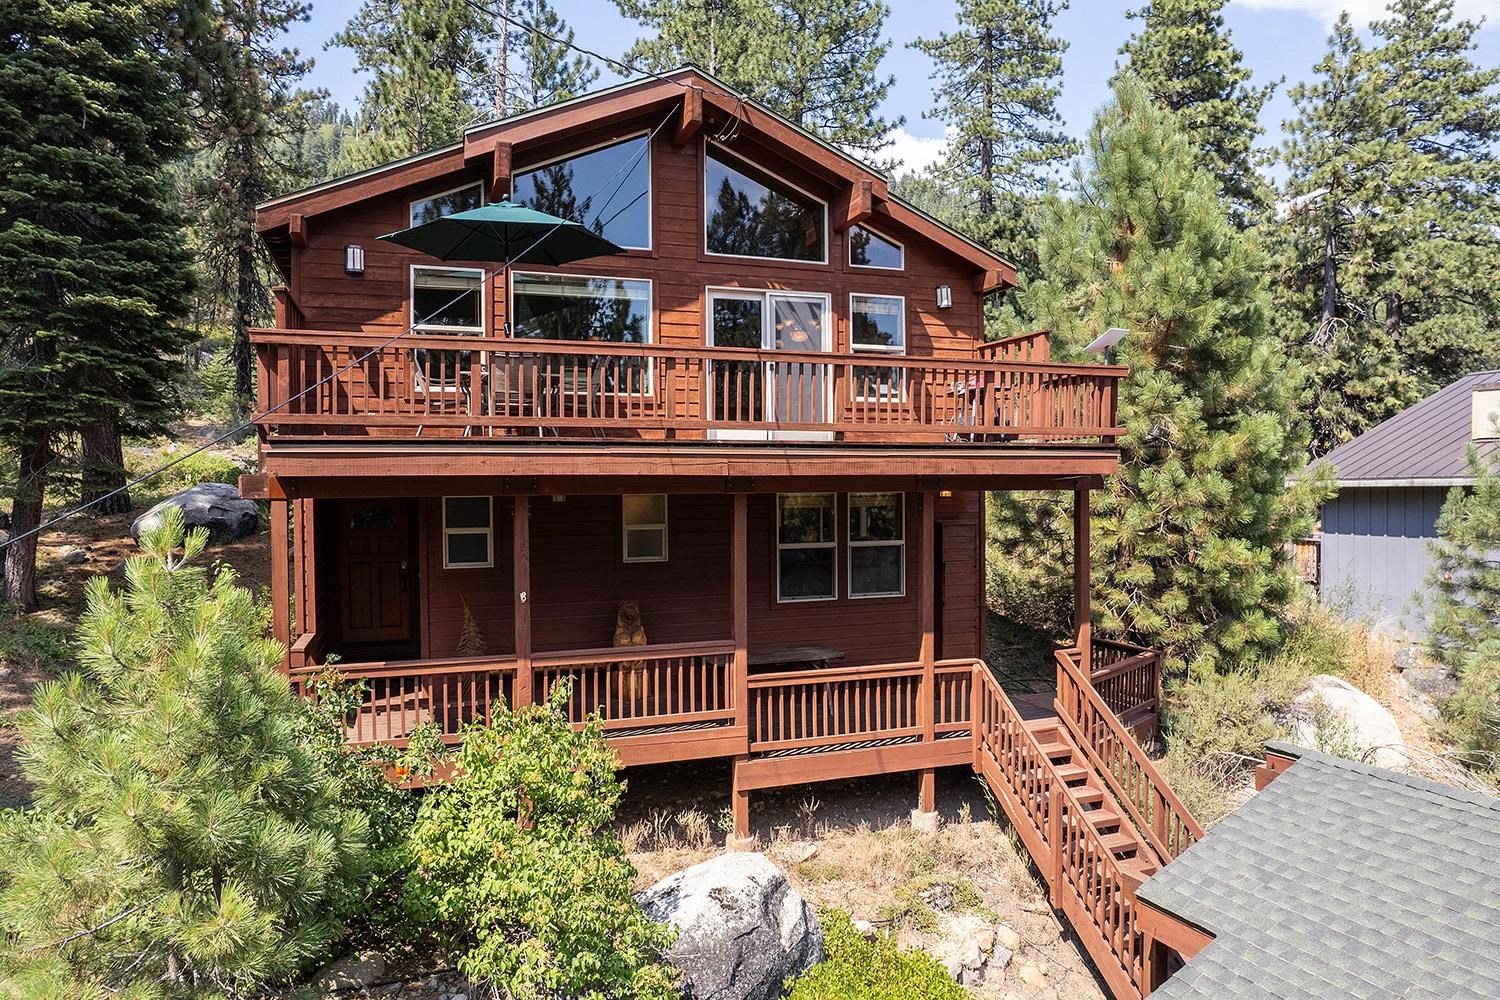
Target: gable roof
{"x":1423,"y":445}
{"x":696,"y":92}
{"x":1341,"y":880}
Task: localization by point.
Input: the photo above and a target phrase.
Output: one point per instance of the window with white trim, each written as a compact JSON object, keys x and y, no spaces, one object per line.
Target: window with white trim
{"x":869,"y":249}
{"x":877,"y":325}
{"x":468,"y":532}
{"x":749,"y":212}
{"x":806,"y":547}
{"x":645,"y":527}
{"x":877,"y":545}
{"x":445,"y":300}
{"x":462,"y":199}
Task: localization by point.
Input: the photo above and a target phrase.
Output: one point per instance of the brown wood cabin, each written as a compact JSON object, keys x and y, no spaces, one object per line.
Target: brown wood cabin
{"x":769,"y":425}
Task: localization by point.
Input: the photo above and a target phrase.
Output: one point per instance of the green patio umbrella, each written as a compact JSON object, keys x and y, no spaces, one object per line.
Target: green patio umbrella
{"x":505,"y":232}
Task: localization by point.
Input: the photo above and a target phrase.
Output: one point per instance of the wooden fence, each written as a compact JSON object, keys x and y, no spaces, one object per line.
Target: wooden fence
{"x":661,"y":685}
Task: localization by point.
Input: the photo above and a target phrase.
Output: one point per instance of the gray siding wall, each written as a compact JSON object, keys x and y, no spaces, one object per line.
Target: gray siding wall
{"x":1374,"y":551}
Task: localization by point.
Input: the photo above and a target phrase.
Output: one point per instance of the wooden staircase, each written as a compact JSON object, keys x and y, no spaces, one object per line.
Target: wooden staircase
{"x":1090,"y":806}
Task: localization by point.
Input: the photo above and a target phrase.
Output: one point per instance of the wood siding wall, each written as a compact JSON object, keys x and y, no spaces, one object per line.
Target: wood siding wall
{"x":328,"y":299}
{"x":579,"y":578}
{"x":1374,"y":551}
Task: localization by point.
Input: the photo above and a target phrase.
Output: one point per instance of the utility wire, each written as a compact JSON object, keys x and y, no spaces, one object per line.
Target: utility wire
{"x":624,"y":169}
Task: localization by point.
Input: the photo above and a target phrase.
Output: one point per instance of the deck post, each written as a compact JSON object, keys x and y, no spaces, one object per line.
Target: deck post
{"x":739,"y":590}
{"x":1082,"y":615}
{"x":926,"y":612}
{"x":739,"y":805}
{"x":927,"y":790}
{"x":521,"y":568}
{"x":281,"y":611}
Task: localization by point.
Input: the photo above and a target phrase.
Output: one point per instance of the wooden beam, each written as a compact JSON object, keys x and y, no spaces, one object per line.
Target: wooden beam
{"x":739,"y":797}
{"x":927,"y":790}
{"x":739,"y":590}
{"x":926,"y":608}
{"x":281,"y":626}
{"x":297,"y":229}
{"x":521,"y":573}
{"x":304,"y":566}
{"x":690,"y":121}
{"x":854,"y":205}
{"x":1177,"y":934}
{"x":1082,"y":612}
{"x":992,"y":280}
{"x":500,"y":161}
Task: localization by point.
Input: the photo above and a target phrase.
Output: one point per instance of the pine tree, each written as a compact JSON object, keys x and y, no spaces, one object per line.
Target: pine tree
{"x":184,"y":831}
{"x":428,"y":75}
{"x":537,"y":70}
{"x":1190,"y":535}
{"x":249,"y":113}
{"x":998,"y":79}
{"x":814,"y":62}
{"x":1464,"y":606}
{"x":1184,"y":55}
{"x":94,"y":272}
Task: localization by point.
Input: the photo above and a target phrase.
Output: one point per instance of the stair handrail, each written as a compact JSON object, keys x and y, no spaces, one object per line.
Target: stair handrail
{"x":1170,"y":827}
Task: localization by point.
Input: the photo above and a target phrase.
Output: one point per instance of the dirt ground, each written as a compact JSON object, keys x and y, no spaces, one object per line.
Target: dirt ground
{"x":38,"y":646}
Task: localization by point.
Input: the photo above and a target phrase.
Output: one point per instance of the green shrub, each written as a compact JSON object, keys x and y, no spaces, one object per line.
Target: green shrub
{"x":1231,"y":713}
{"x":210,"y":387}
{"x":204,"y":467}
{"x":861,"y":968}
{"x":516,"y":864}
{"x":34,"y":645}
{"x":183,"y":833}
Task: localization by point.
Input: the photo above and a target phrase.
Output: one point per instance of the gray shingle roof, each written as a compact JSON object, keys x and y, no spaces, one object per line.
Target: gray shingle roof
{"x":1422,"y":442}
{"x":1342,"y":880}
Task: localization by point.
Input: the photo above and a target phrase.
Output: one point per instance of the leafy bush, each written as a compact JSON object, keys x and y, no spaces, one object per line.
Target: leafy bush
{"x":1230,"y":714}
{"x":183,"y":833}
{"x":517,"y":865}
{"x":204,"y":467}
{"x":210,"y":387}
{"x":861,"y":968}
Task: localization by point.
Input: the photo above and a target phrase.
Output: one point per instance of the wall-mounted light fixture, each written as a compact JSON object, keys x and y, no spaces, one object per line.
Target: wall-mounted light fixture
{"x":354,"y":259}
{"x":945,"y":494}
{"x":945,"y":297}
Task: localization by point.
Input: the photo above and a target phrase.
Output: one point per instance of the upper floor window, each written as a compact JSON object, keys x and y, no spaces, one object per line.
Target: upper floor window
{"x":877,"y":325}
{"x":750,"y":213}
{"x":607,"y":189}
{"x":576,"y":307}
{"x":447,"y":299}
{"x":870,"y":249}
{"x":458,"y":200}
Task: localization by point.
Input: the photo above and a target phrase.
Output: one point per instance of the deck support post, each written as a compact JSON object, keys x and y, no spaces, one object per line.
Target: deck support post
{"x":1082,"y":614}
{"x":281,"y":611}
{"x":927,"y":790}
{"x":739,"y":602}
{"x":521,"y":568}
{"x":739,"y":805}
{"x":926,"y":611}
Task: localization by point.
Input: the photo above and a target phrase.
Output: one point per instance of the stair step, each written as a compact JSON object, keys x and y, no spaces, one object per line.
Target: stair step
{"x":1054,"y":750}
{"x":1121,"y":843}
{"x":1103,"y":817}
{"x":1069,"y":773}
{"x":1088,"y":795}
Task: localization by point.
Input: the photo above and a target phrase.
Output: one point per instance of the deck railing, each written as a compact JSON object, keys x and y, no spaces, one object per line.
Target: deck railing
{"x":503,"y":386}
{"x":1127,"y":677}
{"x":640,"y":686}
{"x":1158,"y":814}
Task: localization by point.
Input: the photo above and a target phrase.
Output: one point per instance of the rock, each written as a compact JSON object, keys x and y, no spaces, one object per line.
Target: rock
{"x":939,"y":897}
{"x":73,"y":556}
{"x":1036,"y":906}
{"x":1033,"y":976}
{"x":742,"y":930}
{"x":973,"y":977}
{"x":955,"y":967}
{"x":800,"y":851}
{"x":1365,"y":722}
{"x":1429,"y":679}
{"x":925,"y":822}
{"x":864,"y":928}
{"x":1000,"y":958}
{"x":985,"y":939}
{"x":351,"y":973}
{"x":1008,"y":937}
{"x":971,"y":955}
{"x":217,"y":507}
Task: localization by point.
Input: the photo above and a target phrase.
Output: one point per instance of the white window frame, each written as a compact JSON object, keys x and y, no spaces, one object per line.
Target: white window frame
{"x":877,"y":349}
{"x":849,"y":249}
{"x":650,"y":182}
{"x":703,"y":222}
{"x":626,"y":528}
{"x":852,"y":545}
{"x":420,"y":376}
{"x":411,"y":205}
{"x":832,"y":543}
{"x":648,"y":386}
{"x":488,"y":533}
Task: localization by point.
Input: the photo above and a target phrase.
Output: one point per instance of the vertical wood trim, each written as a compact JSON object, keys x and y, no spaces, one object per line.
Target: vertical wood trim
{"x":1081,"y":557}
{"x":521,"y":568}
{"x":981,"y":569}
{"x":424,"y":588}
{"x":926,"y":612}
{"x":304,"y":563}
{"x":739,"y":604}
{"x":927,"y":790}
{"x":739,"y":799}
{"x":281,"y":626}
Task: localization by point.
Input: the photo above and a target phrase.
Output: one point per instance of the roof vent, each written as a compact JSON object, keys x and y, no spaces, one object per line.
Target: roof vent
{"x":1486,"y":412}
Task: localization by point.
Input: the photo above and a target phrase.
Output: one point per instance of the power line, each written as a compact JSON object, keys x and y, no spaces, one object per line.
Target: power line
{"x":624,"y":169}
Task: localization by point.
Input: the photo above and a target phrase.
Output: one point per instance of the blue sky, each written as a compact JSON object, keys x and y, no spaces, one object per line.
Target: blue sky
{"x":1280,"y":38}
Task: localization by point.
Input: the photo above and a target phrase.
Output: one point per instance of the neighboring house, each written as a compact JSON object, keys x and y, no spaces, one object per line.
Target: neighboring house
{"x":754,"y":448}
{"x":1337,"y":880}
{"x":1392,"y":480}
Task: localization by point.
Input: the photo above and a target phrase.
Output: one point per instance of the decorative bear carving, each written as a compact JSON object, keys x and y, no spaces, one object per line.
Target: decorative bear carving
{"x":629,"y":631}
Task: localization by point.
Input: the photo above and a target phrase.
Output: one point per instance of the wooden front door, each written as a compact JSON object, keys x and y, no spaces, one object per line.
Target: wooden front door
{"x":375,"y":556}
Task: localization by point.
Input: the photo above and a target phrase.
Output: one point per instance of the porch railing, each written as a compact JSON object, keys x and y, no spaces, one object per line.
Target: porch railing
{"x":1127,"y":677}
{"x":489,"y":386}
{"x":677,"y":684}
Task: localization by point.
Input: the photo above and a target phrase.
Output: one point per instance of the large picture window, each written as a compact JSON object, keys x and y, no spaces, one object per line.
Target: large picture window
{"x":573,"y":307}
{"x":869,"y":249}
{"x":877,"y":325}
{"x":607,"y":189}
{"x":468,"y":533}
{"x":806,"y":547}
{"x":445,"y":300}
{"x":877,"y":545}
{"x":753,"y":214}
{"x":458,"y":200}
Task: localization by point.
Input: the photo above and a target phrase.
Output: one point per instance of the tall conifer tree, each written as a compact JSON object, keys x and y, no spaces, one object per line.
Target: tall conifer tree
{"x":998,"y":79}
{"x":538,"y":70}
{"x":1190,"y":536}
{"x":92,"y":263}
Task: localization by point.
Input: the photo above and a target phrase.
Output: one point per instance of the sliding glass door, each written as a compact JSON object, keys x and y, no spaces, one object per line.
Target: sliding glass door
{"x":795,"y":391}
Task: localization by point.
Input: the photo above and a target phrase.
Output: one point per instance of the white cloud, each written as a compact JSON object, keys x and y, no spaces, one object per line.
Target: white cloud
{"x":1362,"y":12}
{"x":914,"y":152}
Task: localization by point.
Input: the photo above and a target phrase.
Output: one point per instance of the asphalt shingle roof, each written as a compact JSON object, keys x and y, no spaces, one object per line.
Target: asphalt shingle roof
{"x":1341,"y":880}
{"x":1423,"y":442}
